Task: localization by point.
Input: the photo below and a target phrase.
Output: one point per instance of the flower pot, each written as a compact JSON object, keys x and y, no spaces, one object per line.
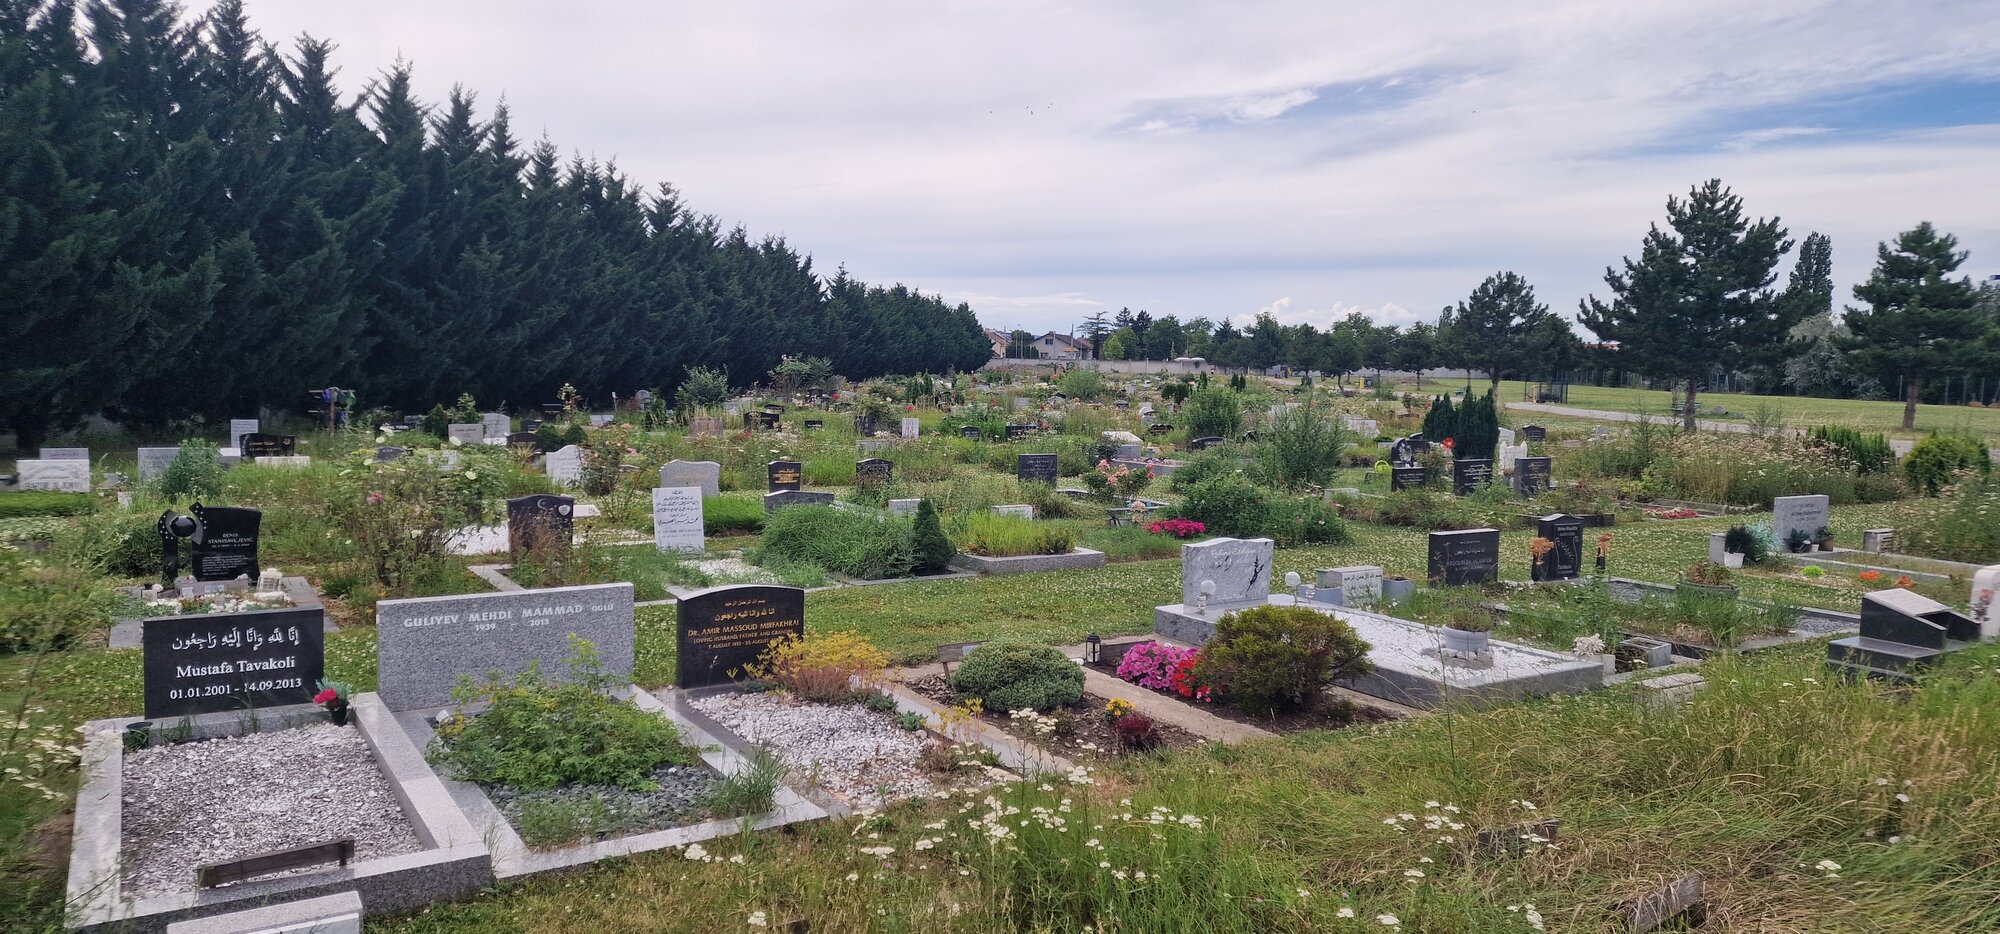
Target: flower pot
{"x":1397,"y":588}
{"x":1465,"y":643}
{"x":338,"y":714}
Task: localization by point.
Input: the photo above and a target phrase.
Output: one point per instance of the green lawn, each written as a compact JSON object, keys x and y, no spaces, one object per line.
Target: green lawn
{"x":1797,"y":411}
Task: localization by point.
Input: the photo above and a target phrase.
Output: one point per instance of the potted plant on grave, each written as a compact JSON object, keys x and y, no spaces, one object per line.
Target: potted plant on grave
{"x":335,"y":697}
{"x":1708,"y":578}
{"x":1824,"y":538}
{"x":1539,"y":548}
{"x":1468,"y":630}
{"x":1798,"y":540}
{"x":1743,"y":540}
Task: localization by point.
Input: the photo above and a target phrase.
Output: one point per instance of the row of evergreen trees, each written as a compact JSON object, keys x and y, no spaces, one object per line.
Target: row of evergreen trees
{"x":193,"y":224}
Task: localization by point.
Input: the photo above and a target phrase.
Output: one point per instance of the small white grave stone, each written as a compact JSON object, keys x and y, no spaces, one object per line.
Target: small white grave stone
{"x":564,"y":465}
{"x":677,"y":519}
{"x":65,"y":476}
{"x":238,"y":427}
{"x":903,"y":507}
{"x":1024,"y":510}
{"x":911,"y":427}
{"x":1984,"y":582}
{"x":154,"y":461}
{"x":465,"y":432}
{"x":495,"y":425}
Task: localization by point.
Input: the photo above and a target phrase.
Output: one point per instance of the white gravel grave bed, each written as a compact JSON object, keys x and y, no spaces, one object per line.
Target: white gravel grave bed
{"x":191,"y":804}
{"x":859,"y":755}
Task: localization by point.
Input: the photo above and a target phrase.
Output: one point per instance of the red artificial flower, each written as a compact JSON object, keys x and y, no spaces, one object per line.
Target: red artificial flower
{"x":1449,"y":444}
{"x":327,"y":696}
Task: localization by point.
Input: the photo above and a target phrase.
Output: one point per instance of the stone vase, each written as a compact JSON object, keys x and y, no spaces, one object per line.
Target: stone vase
{"x":1396,"y":589}
{"x":1462,"y":642}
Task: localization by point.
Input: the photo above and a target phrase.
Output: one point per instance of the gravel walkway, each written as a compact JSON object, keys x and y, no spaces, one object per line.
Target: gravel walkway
{"x":858,"y":754}
{"x":195,"y":803}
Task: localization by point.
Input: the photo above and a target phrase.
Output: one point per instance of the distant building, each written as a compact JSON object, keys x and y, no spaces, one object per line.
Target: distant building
{"x":1054,"y":346}
{"x":999,"y":339}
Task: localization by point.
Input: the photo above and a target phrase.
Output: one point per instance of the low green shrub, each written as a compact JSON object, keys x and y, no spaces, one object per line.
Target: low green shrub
{"x":49,"y":606}
{"x":1269,"y":659}
{"x":119,"y":544}
{"x":732,"y":513}
{"x":195,"y":473}
{"x":997,"y":536}
{"x":1868,"y":453}
{"x":538,"y":733}
{"x":1935,"y":462}
{"x":850,"y":542}
{"x":1957,"y":525}
{"x":46,"y":503}
{"x":1203,"y":467}
{"x":1019,"y":675}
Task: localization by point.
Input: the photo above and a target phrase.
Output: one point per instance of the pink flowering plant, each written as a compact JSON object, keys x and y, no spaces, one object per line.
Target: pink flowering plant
{"x":1151,"y":665}
{"x":1114,"y":483}
{"x":1177,"y":528}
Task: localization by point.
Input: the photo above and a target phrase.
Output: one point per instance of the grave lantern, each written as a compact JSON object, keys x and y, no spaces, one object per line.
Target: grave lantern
{"x":1201,"y":599}
{"x":1093,"y":647}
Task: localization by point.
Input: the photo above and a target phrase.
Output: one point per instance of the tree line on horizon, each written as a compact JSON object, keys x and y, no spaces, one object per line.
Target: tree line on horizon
{"x":1700,"y":302}
{"x":194,"y":224}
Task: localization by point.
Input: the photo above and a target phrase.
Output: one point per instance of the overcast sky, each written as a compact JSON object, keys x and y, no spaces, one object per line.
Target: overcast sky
{"x":1043,"y":161}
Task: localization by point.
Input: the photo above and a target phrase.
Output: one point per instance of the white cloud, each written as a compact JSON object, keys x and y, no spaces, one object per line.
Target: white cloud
{"x":1284,"y":313}
{"x":1029,"y":155}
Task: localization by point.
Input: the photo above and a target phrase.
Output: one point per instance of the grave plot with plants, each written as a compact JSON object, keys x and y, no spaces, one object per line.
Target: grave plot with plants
{"x":568,"y":760}
{"x":1268,"y":667}
{"x":1036,"y":693}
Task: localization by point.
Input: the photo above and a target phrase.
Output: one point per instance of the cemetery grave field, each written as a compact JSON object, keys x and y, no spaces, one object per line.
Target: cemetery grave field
{"x":1643,"y":795}
{"x":1802,"y":412}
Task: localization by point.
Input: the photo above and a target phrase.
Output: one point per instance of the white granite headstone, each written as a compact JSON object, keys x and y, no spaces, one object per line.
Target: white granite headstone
{"x":1023,"y":510}
{"x":238,"y":427}
{"x":465,"y":432}
{"x":564,"y":465}
{"x":1360,"y":585}
{"x":1240,"y":568}
{"x":65,"y":454}
{"x":903,"y":507}
{"x":495,"y":425}
{"x":154,"y":461}
{"x":65,"y":476}
{"x":677,"y":519}
{"x":912,"y":427}
{"x":1984,"y":582}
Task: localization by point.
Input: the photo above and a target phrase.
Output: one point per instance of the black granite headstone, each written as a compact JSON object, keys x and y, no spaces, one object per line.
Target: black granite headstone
{"x":390,"y":454}
{"x":1534,"y":433}
{"x":1471,"y":556}
{"x":225,"y":542}
{"x":1470,"y":473}
{"x":782,"y":498}
{"x":1159,"y":428}
{"x":873,"y":472}
{"x":1565,"y":560}
{"x":1407,"y":478}
{"x":1036,"y":468}
{"x":1531,"y":475}
{"x":1203,"y":444}
{"x":814,"y":424}
{"x":524,"y":439}
{"x":785,"y":475}
{"x":1405,"y":450}
{"x":540,"y":523}
{"x":768,"y":420}
{"x":864,"y":425}
{"x":723,"y":629}
{"x":259,"y":444}
{"x":970,"y":432}
{"x":208,"y":662}
{"x":172,"y":528}
{"x":1016,"y":431}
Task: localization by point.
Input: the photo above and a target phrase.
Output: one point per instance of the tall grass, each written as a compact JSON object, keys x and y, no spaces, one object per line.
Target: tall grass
{"x":859,"y":544}
{"x":998,"y":536}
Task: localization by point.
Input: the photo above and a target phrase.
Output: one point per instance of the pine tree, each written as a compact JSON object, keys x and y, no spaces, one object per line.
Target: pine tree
{"x":1503,"y":330}
{"x":1918,"y":320}
{"x":932,"y":550}
{"x":1699,"y":297}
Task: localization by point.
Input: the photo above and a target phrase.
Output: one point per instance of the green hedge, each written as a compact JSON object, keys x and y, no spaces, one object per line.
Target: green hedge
{"x":46,"y":503}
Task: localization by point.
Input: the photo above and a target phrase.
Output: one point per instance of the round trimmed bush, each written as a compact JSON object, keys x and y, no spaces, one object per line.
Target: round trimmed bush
{"x":1016,"y":675}
{"x":1269,"y":659}
{"x":1934,"y":461}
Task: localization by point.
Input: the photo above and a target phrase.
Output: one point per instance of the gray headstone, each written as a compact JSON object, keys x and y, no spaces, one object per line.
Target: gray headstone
{"x":1021,"y":510}
{"x":1468,"y":556}
{"x":465,"y":432}
{"x":66,"y":476}
{"x":154,"y":461}
{"x":1360,"y":584}
{"x":1657,"y":908}
{"x":495,"y":425}
{"x":1717,"y":546}
{"x":1240,"y":568}
{"x":1878,"y":540}
{"x":903,"y":507}
{"x":1807,"y":512}
{"x":704,"y":474}
{"x":564,"y":465}
{"x":1506,"y":436}
{"x":782,"y":498}
{"x":677,"y":519}
{"x":599,"y":421}
{"x":424,"y":645}
{"x":238,"y":427}
{"x":65,"y":454}
{"x":912,"y":427}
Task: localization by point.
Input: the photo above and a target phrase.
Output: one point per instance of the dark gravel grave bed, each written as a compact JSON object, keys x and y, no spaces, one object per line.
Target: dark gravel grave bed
{"x":191,"y":804}
{"x":1084,"y":736}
